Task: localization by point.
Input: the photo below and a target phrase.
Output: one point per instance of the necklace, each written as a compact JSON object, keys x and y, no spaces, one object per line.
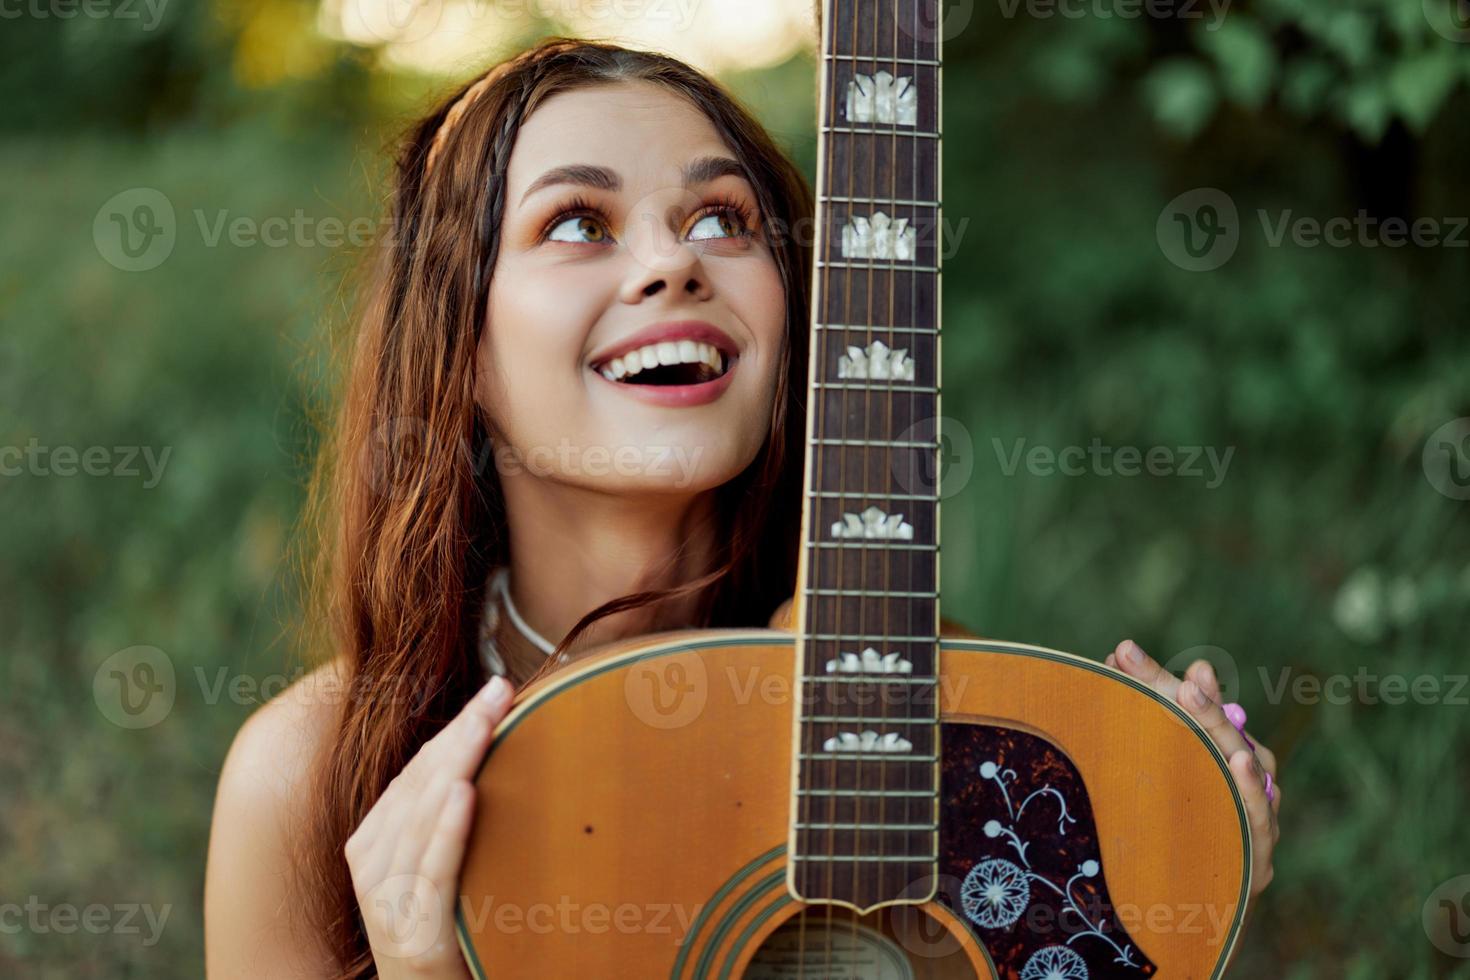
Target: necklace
{"x":501,"y":586}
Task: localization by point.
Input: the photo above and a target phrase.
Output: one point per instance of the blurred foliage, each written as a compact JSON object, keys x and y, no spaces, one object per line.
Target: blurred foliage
{"x":1323,"y":551}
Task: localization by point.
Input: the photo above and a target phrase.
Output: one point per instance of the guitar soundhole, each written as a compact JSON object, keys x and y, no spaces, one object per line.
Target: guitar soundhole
{"x":808,"y":947}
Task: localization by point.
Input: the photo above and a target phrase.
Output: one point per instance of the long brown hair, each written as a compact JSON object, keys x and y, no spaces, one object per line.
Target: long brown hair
{"x":409,"y":521}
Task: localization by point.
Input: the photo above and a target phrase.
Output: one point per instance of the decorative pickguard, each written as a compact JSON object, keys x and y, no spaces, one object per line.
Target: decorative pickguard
{"x":1017,"y":831}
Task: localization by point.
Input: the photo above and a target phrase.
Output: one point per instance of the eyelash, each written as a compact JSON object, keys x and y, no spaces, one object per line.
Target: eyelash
{"x":580,"y":207}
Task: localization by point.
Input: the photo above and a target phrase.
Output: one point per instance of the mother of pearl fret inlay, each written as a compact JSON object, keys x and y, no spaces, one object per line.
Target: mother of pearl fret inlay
{"x":879,"y":237}
{"x":870,"y":662}
{"x":877,"y":362}
{"x":882,"y":98}
{"x":873,"y":523}
{"x":868,"y":741}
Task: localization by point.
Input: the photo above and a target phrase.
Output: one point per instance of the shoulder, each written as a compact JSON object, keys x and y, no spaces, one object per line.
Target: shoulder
{"x":259,"y":805}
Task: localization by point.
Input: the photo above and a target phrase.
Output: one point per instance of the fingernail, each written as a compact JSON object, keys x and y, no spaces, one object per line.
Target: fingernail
{"x":1132,"y":653}
{"x":1207,"y":672}
{"x":1193,"y":694}
{"x":495,"y":691}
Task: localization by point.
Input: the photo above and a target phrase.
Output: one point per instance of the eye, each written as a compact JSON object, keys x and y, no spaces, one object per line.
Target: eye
{"x":725,"y":223}
{"x":579,"y":228}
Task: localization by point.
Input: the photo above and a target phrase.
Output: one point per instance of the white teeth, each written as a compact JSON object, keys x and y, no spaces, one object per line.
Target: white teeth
{"x":663,"y":352}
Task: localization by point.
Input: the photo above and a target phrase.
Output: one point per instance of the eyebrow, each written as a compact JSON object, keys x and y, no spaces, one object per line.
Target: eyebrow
{"x":701,"y":170}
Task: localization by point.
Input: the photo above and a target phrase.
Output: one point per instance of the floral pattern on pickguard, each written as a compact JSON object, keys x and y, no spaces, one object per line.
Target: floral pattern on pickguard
{"x":1017,"y":835}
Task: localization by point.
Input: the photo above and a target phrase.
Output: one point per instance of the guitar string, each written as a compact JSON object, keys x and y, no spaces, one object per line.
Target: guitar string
{"x":804,"y":837}
{"x":843,"y":553}
{"x":887,"y":459}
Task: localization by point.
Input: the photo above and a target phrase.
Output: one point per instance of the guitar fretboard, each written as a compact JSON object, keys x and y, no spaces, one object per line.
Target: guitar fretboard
{"x":865,"y":812}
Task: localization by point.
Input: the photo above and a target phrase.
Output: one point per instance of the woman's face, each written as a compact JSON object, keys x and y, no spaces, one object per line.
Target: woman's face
{"x":635,"y":314}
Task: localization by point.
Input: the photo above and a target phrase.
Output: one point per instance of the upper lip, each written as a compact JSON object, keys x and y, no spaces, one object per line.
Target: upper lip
{"x":696,"y":330}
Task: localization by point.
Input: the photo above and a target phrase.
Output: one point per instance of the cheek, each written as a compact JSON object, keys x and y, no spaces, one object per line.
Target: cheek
{"x":536,"y":324}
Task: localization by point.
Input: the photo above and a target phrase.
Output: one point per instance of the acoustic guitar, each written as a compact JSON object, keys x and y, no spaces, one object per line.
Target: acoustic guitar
{"x":863,"y":794}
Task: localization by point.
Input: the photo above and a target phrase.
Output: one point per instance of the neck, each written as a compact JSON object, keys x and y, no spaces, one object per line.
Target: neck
{"x":572,"y":549}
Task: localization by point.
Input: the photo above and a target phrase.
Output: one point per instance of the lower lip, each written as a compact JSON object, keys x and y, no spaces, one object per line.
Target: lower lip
{"x":676,"y":396}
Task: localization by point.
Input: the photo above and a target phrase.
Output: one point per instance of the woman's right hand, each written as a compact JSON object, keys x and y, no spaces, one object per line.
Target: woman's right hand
{"x":405,"y":856}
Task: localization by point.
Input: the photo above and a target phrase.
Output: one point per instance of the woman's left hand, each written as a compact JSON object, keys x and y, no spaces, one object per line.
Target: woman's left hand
{"x":1199,"y":694}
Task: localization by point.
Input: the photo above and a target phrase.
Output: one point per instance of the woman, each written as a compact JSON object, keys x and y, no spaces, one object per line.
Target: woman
{"x":573,"y":410}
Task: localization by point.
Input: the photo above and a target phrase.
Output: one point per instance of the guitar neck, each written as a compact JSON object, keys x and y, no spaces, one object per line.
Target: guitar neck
{"x":868,"y":602}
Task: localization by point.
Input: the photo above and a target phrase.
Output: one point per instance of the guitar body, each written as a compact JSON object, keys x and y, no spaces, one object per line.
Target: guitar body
{"x":635,"y":820}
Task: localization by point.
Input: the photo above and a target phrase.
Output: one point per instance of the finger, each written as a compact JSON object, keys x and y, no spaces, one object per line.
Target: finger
{"x":1140,"y":665}
{"x":1202,"y":672}
{"x":1267,"y":757}
{"x":484,"y":710}
{"x":1212,"y":718}
{"x":1259,"y":815}
{"x":1111,"y":660}
{"x":418,"y":823}
{"x":445,"y":854}
{"x":455,"y":752}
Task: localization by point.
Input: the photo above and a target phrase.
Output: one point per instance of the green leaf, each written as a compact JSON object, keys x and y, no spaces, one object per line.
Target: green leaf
{"x":1417,"y":86}
{"x":1182,"y":96}
{"x":1242,"y":51}
{"x":1366,"y":109}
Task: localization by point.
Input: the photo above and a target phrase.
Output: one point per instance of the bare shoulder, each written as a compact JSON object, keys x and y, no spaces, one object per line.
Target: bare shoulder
{"x":259,"y":808}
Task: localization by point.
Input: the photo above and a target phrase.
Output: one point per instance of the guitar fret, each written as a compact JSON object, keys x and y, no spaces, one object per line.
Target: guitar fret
{"x":803,"y":825}
{"x":886,"y":386}
{"x":880,"y":266}
{"x":874,"y":544}
{"x":922,"y":133}
{"x":875,"y":495}
{"x":885,"y":443}
{"x":866,"y":757}
{"x":869,"y":328}
{"x":873,"y":679}
{"x":879,"y":202}
{"x":873,"y":593}
{"x":871,"y":637}
{"x":908,"y":793}
{"x":860,"y":720}
{"x":909,"y":858}
{"x":925,"y":62}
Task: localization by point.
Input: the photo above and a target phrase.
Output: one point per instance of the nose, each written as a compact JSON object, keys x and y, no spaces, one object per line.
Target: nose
{"x":660,"y":262}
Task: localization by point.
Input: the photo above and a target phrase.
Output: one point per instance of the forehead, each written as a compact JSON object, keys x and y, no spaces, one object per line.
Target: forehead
{"x":641,"y":130}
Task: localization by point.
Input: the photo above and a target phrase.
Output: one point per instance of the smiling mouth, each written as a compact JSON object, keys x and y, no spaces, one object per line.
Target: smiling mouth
{"x":666,"y":363}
